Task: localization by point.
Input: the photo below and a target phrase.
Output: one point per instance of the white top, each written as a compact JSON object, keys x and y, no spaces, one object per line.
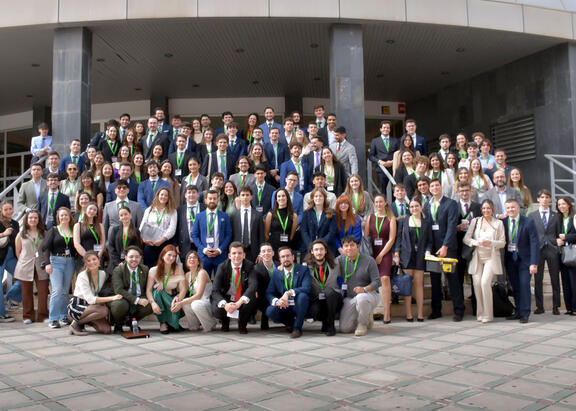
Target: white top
{"x":166,"y":224}
{"x":83,"y":288}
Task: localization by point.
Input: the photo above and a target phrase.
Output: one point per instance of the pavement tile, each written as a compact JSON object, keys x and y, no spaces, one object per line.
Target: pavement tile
{"x":523,"y":358}
{"x":564,"y":364}
{"x":22,"y":367}
{"x":207,"y":379}
{"x":255,"y":368}
{"x":174,"y":368}
{"x":147,"y":359}
{"x":95,"y":401}
{"x":219,"y":360}
{"x":95,"y":368}
{"x":446,"y":358}
{"x":195,"y":400}
{"x":75,"y":359}
{"x":246,"y":390}
{"x":545,"y":348}
{"x":469,"y":378}
{"x":292,"y":360}
{"x":380,"y":378}
{"x":123,"y":377}
{"x":393,"y":400}
{"x":569,"y":401}
{"x":292,"y":401}
{"x":498,"y":367}
{"x":474,"y":350}
{"x":335,"y":369}
{"x":417,"y":368}
{"x":64,"y":388}
{"x":154,"y":389}
{"x":495,"y":401}
{"x":9,"y":399}
{"x":435,"y":390}
{"x":293,"y":379}
{"x":528,"y":388}
{"x":552,"y":376}
{"x":341,"y":389}
{"x":40,"y":377}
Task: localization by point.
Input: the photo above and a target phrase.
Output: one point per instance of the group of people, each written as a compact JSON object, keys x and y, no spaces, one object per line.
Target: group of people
{"x":198,"y":226}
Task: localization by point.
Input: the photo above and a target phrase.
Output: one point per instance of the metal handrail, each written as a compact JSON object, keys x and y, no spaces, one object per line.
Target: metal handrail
{"x":554,"y":161}
{"x":15,"y":183}
{"x":371,"y":184}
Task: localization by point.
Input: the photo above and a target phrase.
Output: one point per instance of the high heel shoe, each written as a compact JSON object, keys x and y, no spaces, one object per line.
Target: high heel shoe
{"x":410,"y":320}
{"x":386,"y":322}
{"x":420,"y":320}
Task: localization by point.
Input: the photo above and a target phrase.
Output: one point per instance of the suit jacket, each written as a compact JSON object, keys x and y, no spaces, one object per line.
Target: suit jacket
{"x":379,"y":152}
{"x":526,"y":241}
{"x":132,"y":191}
{"x":223,"y":281}
{"x":183,"y":231}
{"x":115,"y":245}
{"x":201,"y":183}
{"x":420,"y":144}
{"x":289,"y":166}
{"x":396,"y":208}
{"x":266,"y":200}
{"x":239,"y":148}
{"x":110,"y":215}
{"x":200,"y":231}
{"x":230,"y":165}
{"x":146,"y":191}
{"x":256,"y":229}
{"x":492,"y":195}
{"x":347,"y":156}
{"x":27,"y":196}
{"x":203,"y":152}
{"x":160,"y":138}
{"x":68,"y":159}
{"x":471,"y":239}
{"x":323,"y":134}
{"x":448,"y":218}
{"x":331,"y":281}
{"x":507,"y":169}
{"x":300,"y":282}
{"x":340,"y":178}
{"x":237,"y":180}
{"x":121,"y":282}
{"x":404,"y":245}
{"x":191,"y":146}
{"x":173,"y":158}
{"x":61,"y":175}
{"x":62,"y":200}
{"x":311,"y":230}
{"x":221,"y":130}
{"x":283,"y":154}
{"x":310,"y":160}
{"x":266,"y":130}
{"x":547,"y":236}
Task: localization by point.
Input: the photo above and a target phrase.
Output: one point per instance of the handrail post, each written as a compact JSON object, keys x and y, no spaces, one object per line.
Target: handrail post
{"x":552,"y":180}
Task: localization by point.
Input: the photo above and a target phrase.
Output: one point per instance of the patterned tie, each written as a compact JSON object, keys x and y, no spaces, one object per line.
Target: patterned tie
{"x":222,"y":163}
{"x":402,"y":211}
{"x":237,"y":284}
{"x":544,"y":220}
{"x":316,"y":159}
{"x":466,"y":210}
{"x":513,"y":240}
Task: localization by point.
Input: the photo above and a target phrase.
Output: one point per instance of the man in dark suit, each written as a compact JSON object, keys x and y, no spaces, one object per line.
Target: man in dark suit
{"x":445,"y":147}
{"x":401,"y":204}
{"x":419,"y":143}
{"x":521,"y":257}
{"x":314,"y":157}
{"x":49,"y":203}
{"x":444,"y":215}
{"x":179,"y":158}
{"x":548,"y":226}
{"x":295,"y":165}
{"x":264,"y":270}
{"x":269,"y":124}
{"x":73,"y":157}
{"x":152,"y":138}
{"x":110,"y":215}
{"x":223,"y":160}
{"x":289,"y":293}
{"x":125,"y":172}
{"x":382,"y":151}
{"x":501,"y":164}
{"x":129,"y":280}
{"x":276,"y":154}
{"x":234,"y":290}
{"x":147,"y":189}
{"x":212,"y":233}
{"x":186,"y":217}
{"x":326,"y":133}
{"x":247,"y":227}
{"x":227,"y":118}
{"x":237,"y":145}
{"x":101,"y":135}
{"x":163,"y":126}
{"x":262,"y":198}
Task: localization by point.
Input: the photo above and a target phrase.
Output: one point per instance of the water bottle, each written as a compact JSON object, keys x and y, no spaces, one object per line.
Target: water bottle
{"x":135,"y":326}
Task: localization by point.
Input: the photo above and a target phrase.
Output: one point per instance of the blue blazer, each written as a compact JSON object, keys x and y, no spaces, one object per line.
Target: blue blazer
{"x":68,"y":159}
{"x":146,"y":192}
{"x":132,"y":193}
{"x":221,"y":130}
{"x":266,"y":130}
{"x":267,"y":193}
{"x":183,"y":231}
{"x":526,"y":240}
{"x":297,"y":204}
{"x":448,"y":219}
{"x":300,"y":282}
{"x":230,"y":165}
{"x":355,"y":230}
{"x":311,"y":230}
{"x":420,"y":144}
{"x":288,"y":166}
{"x":239,"y":148}
{"x":62,"y":200}
{"x":283,"y":155}
{"x":200,"y":231}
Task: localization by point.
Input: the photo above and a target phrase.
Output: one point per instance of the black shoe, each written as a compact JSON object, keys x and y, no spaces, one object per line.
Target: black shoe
{"x":252,"y":320}
{"x":568,"y":313}
{"x":539,"y":311}
{"x":556,"y":311}
{"x":395,"y":299}
{"x":434,"y":315}
{"x":296,"y":334}
{"x":330,"y":331}
{"x":523,"y":320}
{"x":243,"y":330}
{"x":420,"y":320}
{"x":513,"y":317}
{"x":410,"y":320}
{"x":118,"y":329}
{"x":386,"y":322}
{"x":572,"y":313}
{"x":457,"y":318}
{"x":264,"y":324}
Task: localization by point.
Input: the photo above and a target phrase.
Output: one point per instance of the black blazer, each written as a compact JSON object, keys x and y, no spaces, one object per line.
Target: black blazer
{"x":116,"y":246}
{"x":403,"y":245}
{"x":448,"y":218}
{"x":547,"y":236}
{"x":267,"y":193}
{"x":230,"y":165}
{"x":202,"y":153}
{"x":256,"y":231}
{"x":107,"y":151}
{"x":340,"y":178}
{"x":161,"y":139}
{"x":378,"y":151}
{"x":183,"y":231}
{"x":223,"y":278}
{"x":409,"y":181}
{"x":62,"y":200}
{"x":527,"y":242}
{"x":323,"y":134}
{"x":172,"y":157}
{"x":310,"y":229}
{"x":475,"y":210}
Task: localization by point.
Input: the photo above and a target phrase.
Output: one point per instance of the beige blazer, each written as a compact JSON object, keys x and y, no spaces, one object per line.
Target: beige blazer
{"x":24,"y":270}
{"x":498,"y":242}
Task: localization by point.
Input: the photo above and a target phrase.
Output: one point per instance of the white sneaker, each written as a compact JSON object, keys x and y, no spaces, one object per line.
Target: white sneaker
{"x":27,"y":321}
{"x":371,"y":321}
{"x":361,"y":330}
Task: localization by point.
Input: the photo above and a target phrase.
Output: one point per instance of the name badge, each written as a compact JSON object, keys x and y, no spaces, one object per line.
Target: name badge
{"x":321,"y":296}
{"x":464,"y":222}
{"x":291,"y":301}
{"x":67,"y":252}
{"x":177,"y":172}
{"x":283,"y":238}
{"x":37,"y":254}
{"x":122,"y":256}
{"x":512,"y":248}
{"x":260,"y":209}
{"x":97,"y":248}
{"x":377,"y":241}
{"x":435,"y":227}
{"x":49,"y":218}
{"x":344,"y":287}
{"x":114,"y":159}
{"x":330,"y":187}
{"x":210,"y":240}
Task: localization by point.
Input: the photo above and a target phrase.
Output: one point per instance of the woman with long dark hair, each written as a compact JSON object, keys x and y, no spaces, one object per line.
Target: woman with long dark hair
{"x":89,"y":234}
{"x":158,"y":225}
{"x":281,"y":222}
{"x":334,"y":172}
{"x":567,"y":235}
{"x":121,"y":237}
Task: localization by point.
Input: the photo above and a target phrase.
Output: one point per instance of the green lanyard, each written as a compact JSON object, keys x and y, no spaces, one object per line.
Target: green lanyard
{"x":514,"y":229}
{"x":191,"y":284}
{"x":435,"y":207}
{"x":70,"y":187}
{"x":379,"y":227}
{"x":36,"y":241}
{"x":436,"y":174}
{"x":179,"y":159}
{"x":286,"y":281}
{"x":52,"y":204}
{"x":346,"y":275}
{"x":259,"y":195}
{"x":243,"y":176}
{"x":160,"y":218}
{"x":284,"y":223}
{"x":318,"y":215}
{"x":134,"y":277}
{"x":124,"y":239}
{"x":299,"y":170}
{"x":416,"y":227}
{"x":211,"y":226}
{"x":478,"y":182}
{"x":329,"y":174}
{"x":355,"y":199}
{"x":386,"y":143}
{"x":191,"y":214}
{"x":138,"y":176}
{"x":250,"y":136}
{"x":565,"y":224}
{"x":94,"y":234}
{"x":113,"y":148}
{"x":165,"y":282}
{"x":97,"y":286}
{"x":66,"y":239}
{"x":322,"y":280}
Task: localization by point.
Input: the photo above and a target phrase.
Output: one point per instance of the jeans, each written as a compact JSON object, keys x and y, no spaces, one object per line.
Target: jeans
{"x":60,"y":279}
{"x":15,"y":291}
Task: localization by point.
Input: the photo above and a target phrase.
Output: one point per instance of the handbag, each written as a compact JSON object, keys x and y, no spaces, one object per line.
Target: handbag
{"x":401,"y":283}
{"x":569,"y":255}
{"x":468,"y":251}
{"x":501,"y":303}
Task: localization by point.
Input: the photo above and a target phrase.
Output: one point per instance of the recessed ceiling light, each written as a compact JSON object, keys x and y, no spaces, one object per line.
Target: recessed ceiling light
{"x":460,"y":50}
{"x":314,"y":45}
{"x":379,"y":75}
{"x":29,"y":95}
{"x":445,"y":73}
{"x":239,"y":50}
{"x":255,"y":82}
{"x":316,"y":78}
{"x":137,"y":89}
{"x":195,"y":85}
{"x":168,"y":55}
{"x":35,"y":65}
{"x":100,"y":60}
{"x":390,"y":41}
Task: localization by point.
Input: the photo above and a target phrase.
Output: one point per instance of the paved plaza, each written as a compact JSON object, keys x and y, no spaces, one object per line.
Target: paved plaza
{"x":430,"y":365}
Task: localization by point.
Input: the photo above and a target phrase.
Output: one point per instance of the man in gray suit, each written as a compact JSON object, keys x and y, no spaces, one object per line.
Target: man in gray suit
{"x":32,"y":190}
{"x":344,"y":151}
{"x":111,"y":208}
{"x":500,"y":193}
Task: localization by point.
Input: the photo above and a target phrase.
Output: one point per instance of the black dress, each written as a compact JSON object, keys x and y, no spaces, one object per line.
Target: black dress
{"x":276,"y":231}
{"x":416,"y":256}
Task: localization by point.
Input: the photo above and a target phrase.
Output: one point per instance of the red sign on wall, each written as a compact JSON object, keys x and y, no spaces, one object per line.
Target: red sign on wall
{"x":401,"y":108}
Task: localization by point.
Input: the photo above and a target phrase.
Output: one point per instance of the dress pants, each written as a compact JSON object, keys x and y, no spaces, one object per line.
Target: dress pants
{"x":482,"y":281}
{"x":569,"y":286}
{"x":325,"y":310}
{"x":551,"y":256}
{"x":519,"y":276}
{"x":456,"y":292}
{"x":357,"y":310}
{"x":211,"y":264}
{"x":292,"y":316}
{"x":28,"y":299}
{"x":198,"y":313}
{"x":245,"y":311}
{"x":121,"y":309}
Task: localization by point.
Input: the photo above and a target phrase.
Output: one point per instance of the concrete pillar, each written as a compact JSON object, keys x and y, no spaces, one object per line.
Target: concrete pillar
{"x":347,"y":85}
{"x":71,"y":87}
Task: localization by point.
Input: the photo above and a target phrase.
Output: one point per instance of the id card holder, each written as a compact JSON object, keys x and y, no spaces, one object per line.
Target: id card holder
{"x":37,"y":254}
{"x":97,"y":248}
{"x":260,"y":209}
{"x":435,"y":227}
{"x":67,"y":252}
{"x":512,"y":248}
{"x":210,"y":240}
{"x":330,"y":187}
{"x":378,"y":241}
{"x":122,"y":256}
{"x":464,"y":222}
{"x":344,"y":287}
{"x":114,"y":159}
{"x":291,"y":301}
{"x":321,"y":296}
{"x":283,"y":238}
{"x":178,"y":172}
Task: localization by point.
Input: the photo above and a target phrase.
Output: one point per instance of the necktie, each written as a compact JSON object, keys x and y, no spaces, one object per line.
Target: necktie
{"x":245,"y":234}
{"x":237,"y":284}
{"x":317,"y":159}
{"x":75,"y":160}
{"x":149,"y":141}
{"x":123,"y":134}
{"x":211,"y":224}
{"x":191,"y":223}
{"x":402,"y":212}
{"x":544,"y":220}
{"x":52,"y":203}
{"x":125,"y":204}
{"x":269,"y":126}
{"x":466,"y":211}
{"x":321,"y":273}
{"x":222,"y":163}
{"x":134,"y":278}
{"x":513,"y":239}
{"x":338,"y":149}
